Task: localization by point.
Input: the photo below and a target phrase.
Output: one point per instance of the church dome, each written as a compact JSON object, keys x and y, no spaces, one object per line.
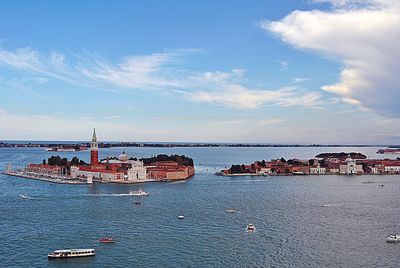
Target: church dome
{"x":123,"y":157}
{"x":349,"y":159}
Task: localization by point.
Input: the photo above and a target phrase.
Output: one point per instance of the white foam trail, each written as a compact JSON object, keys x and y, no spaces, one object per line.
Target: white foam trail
{"x":25,"y":196}
{"x":108,"y":195}
{"x":331,"y":205}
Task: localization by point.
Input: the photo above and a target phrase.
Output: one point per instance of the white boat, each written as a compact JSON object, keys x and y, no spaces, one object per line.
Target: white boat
{"x":24,"y":196}
{"x":72,"y":253}
{"x":181,"y":217}
{"x":393,"y":239}
{"x":231,"y":210}
{"x":250,"y":227}
{"x":139,"y":192}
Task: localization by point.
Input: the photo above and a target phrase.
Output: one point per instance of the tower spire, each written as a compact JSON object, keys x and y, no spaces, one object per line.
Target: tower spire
{"x":94,"y":138}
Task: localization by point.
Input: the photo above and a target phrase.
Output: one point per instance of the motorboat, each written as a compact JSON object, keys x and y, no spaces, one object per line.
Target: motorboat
{"x":137,"y":203}
{"x":368,"y":182}
{"x":25,"y":196}
{"x":106,"y":240}
{"x":181,"y":217}
{"x":250,"y":227}
{"x":231,"y":210}
{"x":72,"y":253}
{"x":139,"y":192}
{"x":393,"y":239}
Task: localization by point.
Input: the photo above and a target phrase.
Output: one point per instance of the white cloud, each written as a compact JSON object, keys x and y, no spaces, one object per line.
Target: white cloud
{"x":363,"y":38}
{"x":284,"y":64}
{"x":299,"y":80}
{"x":133,"y":72}
{"x":267,"y":122}
{"x":155,"y":71}
{"x":237,"y":96}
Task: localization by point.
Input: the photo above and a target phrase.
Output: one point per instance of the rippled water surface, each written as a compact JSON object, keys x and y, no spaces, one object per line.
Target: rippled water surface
{"x":301,"y":221}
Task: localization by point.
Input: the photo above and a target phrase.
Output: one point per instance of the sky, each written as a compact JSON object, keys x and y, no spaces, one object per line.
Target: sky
{"x":296,"y":72}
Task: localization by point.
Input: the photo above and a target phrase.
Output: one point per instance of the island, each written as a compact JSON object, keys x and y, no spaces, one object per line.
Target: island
{"x":121,"y":169}
{"x":323,"y":164}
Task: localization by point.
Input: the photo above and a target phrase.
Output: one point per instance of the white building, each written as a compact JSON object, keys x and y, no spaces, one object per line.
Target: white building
{"x":392,"y":169}
{"x":317,"y":170}
{"x":351,"y":167}
{"x":76,"y":172}
{"x":265,"y":170}
{"x":137,"y":171}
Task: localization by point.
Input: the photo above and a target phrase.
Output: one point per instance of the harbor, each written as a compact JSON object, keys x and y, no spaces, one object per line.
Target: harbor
{"x":46,"y":178}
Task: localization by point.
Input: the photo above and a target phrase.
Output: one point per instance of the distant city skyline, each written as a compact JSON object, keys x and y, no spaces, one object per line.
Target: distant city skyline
{"x":298,"y":72}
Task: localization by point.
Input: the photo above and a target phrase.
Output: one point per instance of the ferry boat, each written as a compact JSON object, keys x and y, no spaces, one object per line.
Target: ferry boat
{"x":106,"y":240}
{"x":72,"y":253}
{"x":250,"y":227}
{"x":393,"y":239}
{"x":139,"y":192}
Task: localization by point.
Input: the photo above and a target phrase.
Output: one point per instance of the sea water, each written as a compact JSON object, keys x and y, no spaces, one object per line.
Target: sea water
{"x":301,"y":221}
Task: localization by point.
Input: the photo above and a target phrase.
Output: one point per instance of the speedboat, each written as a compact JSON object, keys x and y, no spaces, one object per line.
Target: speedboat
{"x":72,"y":253}
{"x":231,"y":210}
{"x":393,"y":239}
{"x":25,"y":196}
{"x":250,"y":227}
{"x":139,"y":192}
{"x":106,"y":240}
{"x":181,"y":217}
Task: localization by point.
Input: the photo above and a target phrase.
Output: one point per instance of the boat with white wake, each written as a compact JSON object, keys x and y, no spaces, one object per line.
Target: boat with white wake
{"x":393,"y":239}
{"x":139,"y":192}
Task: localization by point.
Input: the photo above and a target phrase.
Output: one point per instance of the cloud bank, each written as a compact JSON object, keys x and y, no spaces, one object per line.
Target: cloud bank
{"x":363,"y":36}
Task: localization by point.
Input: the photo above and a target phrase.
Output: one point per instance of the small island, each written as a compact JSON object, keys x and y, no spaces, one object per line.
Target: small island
{"x":323,"y":164}
{"x":121,"y":169}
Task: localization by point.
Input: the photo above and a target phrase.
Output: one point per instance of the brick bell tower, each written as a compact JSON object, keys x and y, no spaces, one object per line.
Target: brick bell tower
{"x":94,"y":150}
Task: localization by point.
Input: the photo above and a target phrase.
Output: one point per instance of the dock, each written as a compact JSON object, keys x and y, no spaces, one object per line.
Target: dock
{"x":46,"y":178}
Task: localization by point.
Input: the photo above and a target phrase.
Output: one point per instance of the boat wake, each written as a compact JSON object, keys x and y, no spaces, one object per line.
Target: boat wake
{"x":25,"y":196}
{"x":332,"y":205}
{"x":108,"y":195}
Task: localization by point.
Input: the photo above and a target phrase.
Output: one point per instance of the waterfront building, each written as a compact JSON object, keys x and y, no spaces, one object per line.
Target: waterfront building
{"x":317,"y":169}
{"x":392,"y":168}
{"x":300,"y":169}
{"x":44,"y":169}
{"x":265,"y":170}
{"x":169,"y":170}
{"x":350,"y":167}
{"x":128,"y":170}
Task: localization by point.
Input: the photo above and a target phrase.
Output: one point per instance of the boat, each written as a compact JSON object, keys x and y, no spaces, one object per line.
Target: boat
{"x":181,"y":217}
{"x":106,"y":240}
{"x":250,"y":227}
{"x":393,"y":239}
{"x":137,"y":203}
{"x":368,"y":182}
{"x":231,"y":210}
{"x":25,"y":196}
{"x":139,"y":192}
{"x":72,"y":253}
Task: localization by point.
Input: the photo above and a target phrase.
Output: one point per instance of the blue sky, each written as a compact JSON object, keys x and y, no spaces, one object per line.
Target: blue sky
{"x":311,"y":71}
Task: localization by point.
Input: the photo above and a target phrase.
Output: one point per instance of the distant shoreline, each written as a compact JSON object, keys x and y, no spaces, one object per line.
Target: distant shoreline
{"x":37,"y":144}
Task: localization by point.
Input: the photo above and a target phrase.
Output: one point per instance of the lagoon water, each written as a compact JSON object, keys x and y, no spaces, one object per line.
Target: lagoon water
{"x":301,"y":221}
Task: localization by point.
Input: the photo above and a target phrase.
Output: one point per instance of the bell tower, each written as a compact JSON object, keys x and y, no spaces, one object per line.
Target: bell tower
{"x":94,"y":150}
